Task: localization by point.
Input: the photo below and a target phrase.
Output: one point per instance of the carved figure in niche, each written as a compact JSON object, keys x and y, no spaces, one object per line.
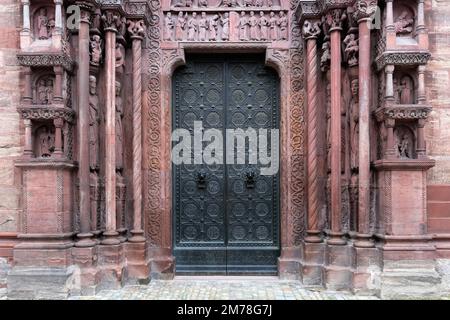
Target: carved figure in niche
{"x":403,"y":147}
{"x":42,"y":24}
{"x":283,"y":23}
{"x":243,"y":27}
{"x":49,"y":90}
{"x":94,"y":120}
{"x":406,"y":91}
{"x":213,"y":25}
{"x":404,"y":143}
{"x":354,"y":124}
{"x":403,"y":24}
{"x":326,"y":56}
{"x":273,"y":23}
{"x":253,"y":22}
{"x":169,"y":27}
{"x":192,"y":27}
{"x":248,"y":3}
{"x":202,"y":27}
{"x":119,"y":128}
{"x":46,"y":142}
{"x":259,"y":3}
{"x":122,"y":27}
{"x":351,"y":49}
{"x":181,"y":26}
{"x":225,"y":22}
{"x":263,"y":23}
{"x":120,"y":55}
{"x":203,"y":3}
{"x":51,"y":26}
{"x":397,"y":90}
{"x":96,"y":49}
{"x":96,"y":20}
{"x":42,"y":92}
{"x":269,"y":3}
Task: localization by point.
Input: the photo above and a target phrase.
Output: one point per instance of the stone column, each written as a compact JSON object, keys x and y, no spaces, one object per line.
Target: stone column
{"x":28,"y":148}
{"x":110,"y":20}
{"x":364,"y":128}
{"x":421,"y":95}
{"x":58,"y":16}
{"x":335,"y":17}
{"x":58,"y":153}
{"x":57,"y":92}
{"x":136,"y":30}
{"x":26,"y":15}
{"x":28,"y":94}
{"x":310,"y":32}
{"x":421,"y":148}
{"x":389,"y":70}
{"x":390,"y":29}
{"x":85,"y":235}
{"x":420,"y":17}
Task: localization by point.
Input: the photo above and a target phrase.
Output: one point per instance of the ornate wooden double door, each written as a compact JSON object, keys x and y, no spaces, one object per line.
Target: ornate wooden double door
{"x":225,"y":215}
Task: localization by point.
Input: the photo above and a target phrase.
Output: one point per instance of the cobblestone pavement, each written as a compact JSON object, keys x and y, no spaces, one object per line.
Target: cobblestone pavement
{"x":217,"y":289}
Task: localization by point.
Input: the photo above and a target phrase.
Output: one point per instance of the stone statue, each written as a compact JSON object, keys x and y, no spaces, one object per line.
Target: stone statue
{"x":213,"y":25}
{"x":397,"y":90}
{"x":403,"y":147}
{"x":403,"y":24}
{"x":180,"y":26}
{"x":283,"y":23}
{"x":94,"y":120}
{"x":49,"y":90}
{"x":326,"y":56}
{"x":253,"y":23}
{"x":42,"y":92}
{"x":269,"y":3}
{"x":203,"y":3}
{"x":42,"y":24}
{"x":120,"y":55}
{"x":192,"y":27}
{"x":169,"y":27}
{"x":273,"y":27}
{"x":225,"y":22}
{"x":263,"y":23}
{"x":406,"y":91}
{"x":351,"y":49}
{"x":354,"y":124}
{"x":46,"y":142}
{"x":96,"y":49}
{"x":202,"y":27}
{"x":243,"y":27}
{"x":51,"y":27}
{"x":119,"y":128}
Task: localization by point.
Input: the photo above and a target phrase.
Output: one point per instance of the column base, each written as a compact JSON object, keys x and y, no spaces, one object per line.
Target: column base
{"x":366,"y":276}
{"x":110,"y":267}
{"x":137,"y":269}
{"x":364,"y":241}
{"x":85,"y":240}
{"x":336,"y":238}
{"x":137,"y":236}
{"x":162,"y":263}
{"x":289,"y":263}
{"x":313,"y":264}
{"x":338,"y":270}
{"x":110,"y":238}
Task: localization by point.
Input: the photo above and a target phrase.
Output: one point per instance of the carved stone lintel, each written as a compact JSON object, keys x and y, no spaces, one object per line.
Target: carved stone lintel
{"x":403,"y":112}
{"x":46,"y":60}
{"x":402,"y":59}
{"x":45,"y":112}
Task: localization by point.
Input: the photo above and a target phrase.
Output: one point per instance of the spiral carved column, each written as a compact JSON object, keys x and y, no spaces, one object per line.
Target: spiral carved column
{"x":310,"y":31}
{"x":136,"y":30}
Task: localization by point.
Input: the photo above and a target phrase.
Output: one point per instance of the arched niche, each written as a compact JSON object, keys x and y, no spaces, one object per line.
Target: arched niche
{"x":43,"y":87}
{"x":43,"y":21}
{"x":405,"y":19}
{"x":405,"y":142}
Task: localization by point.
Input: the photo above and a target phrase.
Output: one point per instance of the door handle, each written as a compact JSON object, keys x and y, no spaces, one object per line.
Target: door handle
{"x":250,"y":176}
{"x":201,"y":179}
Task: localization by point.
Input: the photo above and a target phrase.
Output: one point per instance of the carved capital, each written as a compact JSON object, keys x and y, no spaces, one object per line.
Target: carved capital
{"x":307,"y":10}
{"x":111,"y":20}
{"x":334,"y":19}
{"x":86,"y":8}
{"x":364,"y":9}
{"x":311,"y":29}
{"x":136,"y":29}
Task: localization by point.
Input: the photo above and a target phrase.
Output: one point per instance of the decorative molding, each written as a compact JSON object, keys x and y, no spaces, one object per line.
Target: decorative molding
{"x":307,"y":10}
{"x":46,"y":60}
{"x":402,"y":59}
{"x":403,"y":112}
{"x":46,"y":112}
{"x":326,"y":5}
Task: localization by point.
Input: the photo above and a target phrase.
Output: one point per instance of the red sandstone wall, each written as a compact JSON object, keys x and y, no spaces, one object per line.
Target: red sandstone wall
{"x":10,"y":139}
{"x":438,"y":129}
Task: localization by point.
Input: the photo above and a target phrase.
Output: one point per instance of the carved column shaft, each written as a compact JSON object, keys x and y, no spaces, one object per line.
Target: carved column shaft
{"x":58,"y":16}
{"x":389,"y":15}
{"x":110,"y":133}
{"x":421,"y":149}
{"x":390,"y":151}
{"x":335,"y":70}
{"x":58,"y":137}
{"x":28,"y":149}
{"x":421,"y":95}
{"x":83,"y":128}
{"x":364,"y":138}
{"x":420,"y":16}
{"x":389,"y":70}
{"x":57,"y":92}
{"x":310,"y":32}
{"x":28,"y":93}
{"x":26,"y":15}
{"x":137,"y":33}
